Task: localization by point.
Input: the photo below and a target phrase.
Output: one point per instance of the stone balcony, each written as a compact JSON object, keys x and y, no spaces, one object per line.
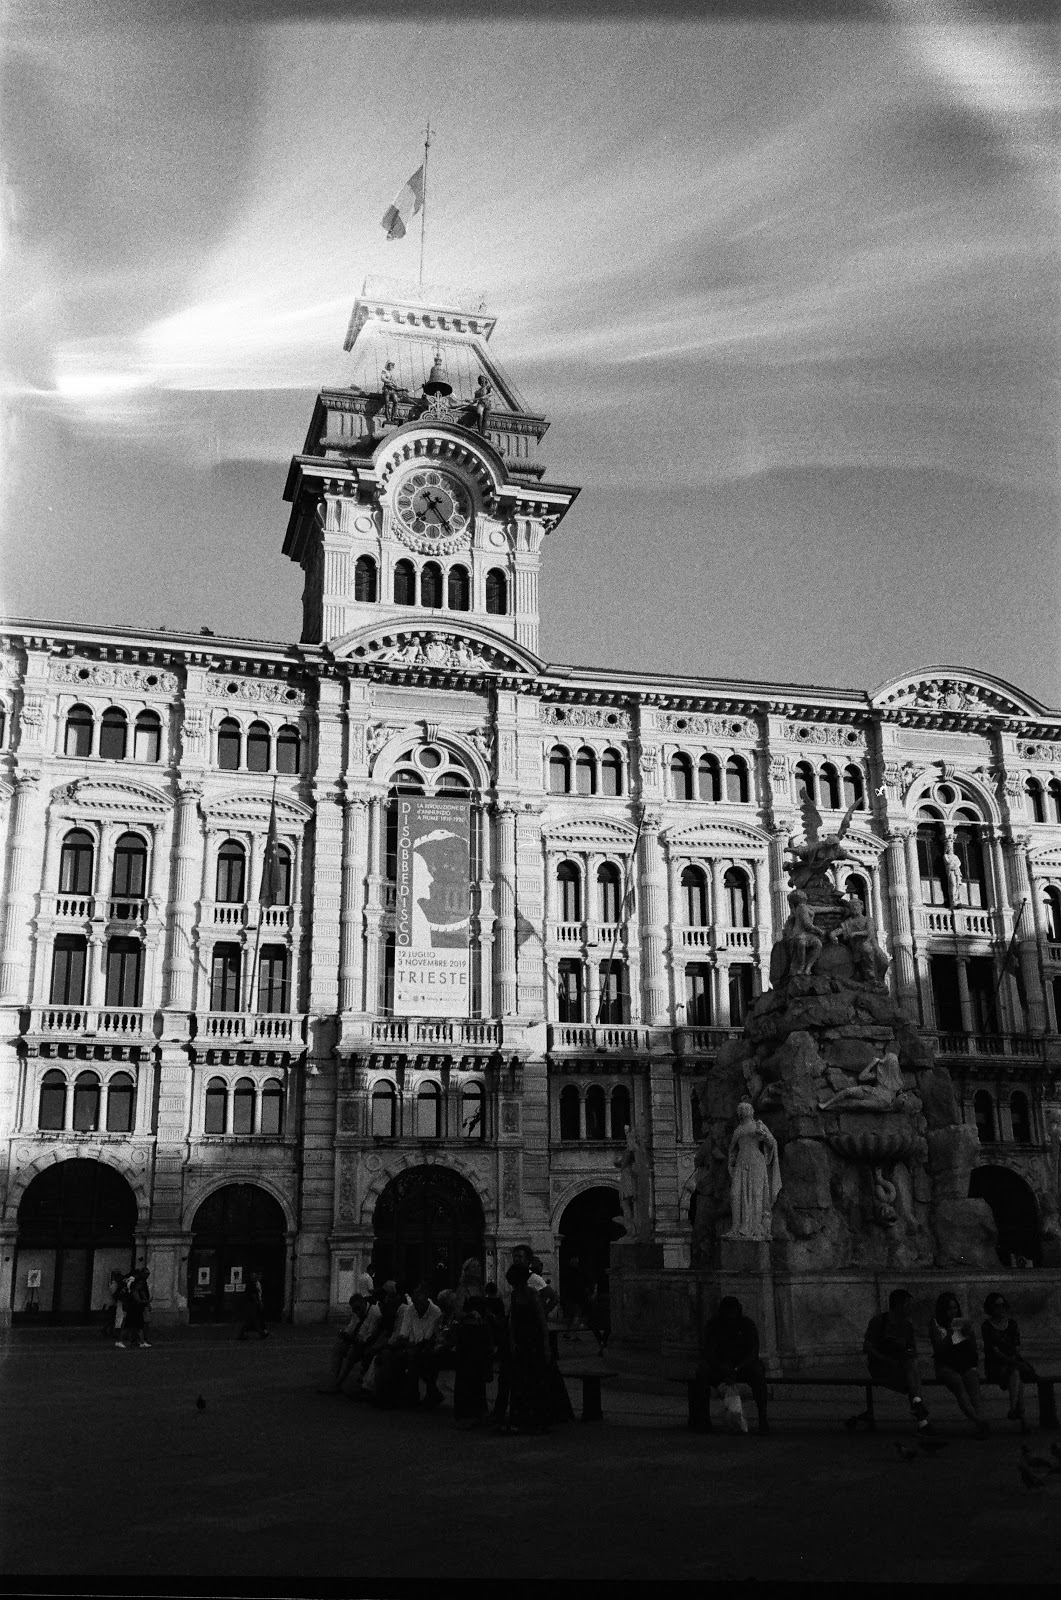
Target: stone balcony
{"x":964,"y":921}
{"x":121,"y":1023}
{"x":990,"y":1047}
{"x":278,"y":1029}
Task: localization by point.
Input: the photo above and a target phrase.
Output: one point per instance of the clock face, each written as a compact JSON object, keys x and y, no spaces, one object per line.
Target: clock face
{"x":433,"y":509}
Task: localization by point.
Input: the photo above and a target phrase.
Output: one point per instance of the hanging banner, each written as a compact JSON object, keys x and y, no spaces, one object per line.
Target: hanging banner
{"x":432,"y":976}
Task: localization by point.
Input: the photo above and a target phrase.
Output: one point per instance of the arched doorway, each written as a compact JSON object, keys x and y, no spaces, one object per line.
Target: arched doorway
{"x":589,"y":1227}
{"x":239,"y":1230}
{"x":1015,"y":1212}
{"x":427,"y":1221}
{"x":76,"y":1224}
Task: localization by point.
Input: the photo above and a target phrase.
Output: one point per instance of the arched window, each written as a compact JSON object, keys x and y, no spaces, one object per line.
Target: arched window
{"x":595,"y":1106}
{"x":738,"y":897}
{"x":228,"y":745}
{"x":384,"y":1103}
{"x":429,"y":1112}
{"x":113,"y":731}
{"x":694,"y":897}
{"x":559,"y":770}
{"x":569,"y":991}
{"x":854,"y":789}
{"x":405,"y":584}
{"x":736,"y":780}
{"x":431,"y":585}
{"x":147,"y":737}
{"x":830,"y":787}
{"x":225,"y":965}
{"x":258,"y":747}
{"x":458,"y":589}
{"x":243,"y":1106}
{"x":51,"y":1113}
{"x":933,"y":873}
{"x":984,"y":1112}
{"x":283,"y":876}
{"x":272,"y":1122}
{"x":709,"y":778}
{"x":681,"y":771}
{"x":569,"y":1109}
{"x":473,"y":1121}
{"x":1052,"y":900}
{"x":78,"y":737}
{"x":1053,"y":789}
{"x":69,"y":956}
{"x":288,"y":748}
{"x":1020,"y":1117}
{"x":698,"y":995}
{"x":231,"y":873}
{"x":970,"y":853}
{"x":1036,"y":805}
{"x":585,"y":772}
{"x":121,"y":1095}
{"x":86,"y":1102}
{"x":608,"y":891}
{"x":496,"y":593}
{"x":130,"y":867}
{"x":216,"y":1119}
{"x":620,"y":1111}
{"x":272,"y":979}
{"x":455,"y":782}
{"x":365,"y":579}
{"x":75,"y":863}
{"x":806,"y":785}
{"x":611,"y":773}
{"x":569,"y":892}
{"x":125,"y":972}
{"x":860,"y":889}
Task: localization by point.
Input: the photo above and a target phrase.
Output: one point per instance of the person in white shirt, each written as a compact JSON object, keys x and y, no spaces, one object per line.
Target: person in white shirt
{"x":414,"y":1346}
{"x":349,"y":1349}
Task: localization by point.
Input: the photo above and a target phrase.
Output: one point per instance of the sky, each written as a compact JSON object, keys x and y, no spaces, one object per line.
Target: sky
{"x":786,"y":290}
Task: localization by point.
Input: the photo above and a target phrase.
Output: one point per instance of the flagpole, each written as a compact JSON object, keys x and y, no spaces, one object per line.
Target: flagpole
{"x":423,"y":208}
{"x":618,"y":925}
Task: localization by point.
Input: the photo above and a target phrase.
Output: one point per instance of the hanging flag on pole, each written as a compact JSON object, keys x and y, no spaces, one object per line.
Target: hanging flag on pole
{"x":397,"y":217}
{"x":272,"y":888}
{"x":1011,"y":961}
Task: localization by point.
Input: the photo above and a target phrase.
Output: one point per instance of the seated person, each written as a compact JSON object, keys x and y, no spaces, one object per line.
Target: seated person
{"x":412,"y":1355}
{"x":1003,"y":1362}
{"x":346,"y":1343}
{"x":730,"y":1351}
{"x":891,"y":1353}
{"x":954,"y":1353}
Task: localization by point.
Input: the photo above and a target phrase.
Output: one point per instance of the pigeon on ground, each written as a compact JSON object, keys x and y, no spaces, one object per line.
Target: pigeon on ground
{"x":906,"y":1452}
{"x":200,"y":1404}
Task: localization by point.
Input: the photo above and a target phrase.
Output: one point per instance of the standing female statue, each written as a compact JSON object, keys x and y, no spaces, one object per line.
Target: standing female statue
{"x":755,"y":1176}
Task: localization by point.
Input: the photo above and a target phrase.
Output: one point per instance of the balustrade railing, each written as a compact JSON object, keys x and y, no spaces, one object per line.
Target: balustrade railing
{"x":119,"y":910}
{"x":988,"y":1044}
{"x":256,"y":1027}
{"x":703,"y":1041}
{"x":79,"y":906}
{"x":114,"y":1021}
{"x":595,"y":1036}
{"x":963,"y":920}
{"x":427,"y":1030}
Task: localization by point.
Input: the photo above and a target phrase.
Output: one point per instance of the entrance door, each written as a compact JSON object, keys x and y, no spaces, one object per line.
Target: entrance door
{"x":428,"y":1222}
{"x":588,"y":1228}
{"x":239,"y":1230}
{"x":76,"y":1221}
{"x":1015,"y":1212}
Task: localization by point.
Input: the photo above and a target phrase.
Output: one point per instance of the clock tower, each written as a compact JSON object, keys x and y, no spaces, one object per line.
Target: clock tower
{"x":419,"y":499}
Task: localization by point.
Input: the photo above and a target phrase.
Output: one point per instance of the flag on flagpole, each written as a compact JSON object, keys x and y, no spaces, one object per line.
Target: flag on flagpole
{"x":1011,"y":961}
{"x":272,"y":878}
{"x":405,"y":207}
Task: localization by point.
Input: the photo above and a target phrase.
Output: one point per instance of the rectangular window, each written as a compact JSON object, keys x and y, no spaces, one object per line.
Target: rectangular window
{"x":614,"y":992}
{"x":272,"y":978}
{"x":124,"y":972}
{"x":740,"y":993}
{"x":569,"y":991}
{"x":944,"y":971}
{"x":68,"y":970}
{"x":698,"y":996}
{"x":224,"y":978}
{"x":982,"y":993}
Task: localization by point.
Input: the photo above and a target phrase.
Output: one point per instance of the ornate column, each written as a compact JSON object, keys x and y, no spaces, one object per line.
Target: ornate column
{"x":20,"y":887}
{"x":505,"y":877}
{"x":486,"y":916}
{"x":964,"y":997}
{"x":678,"y":954}
{"x":901,"y":924}
{"x":1031,"y":930}
{"x":762,"y":919}
{"x":781,"y":834}
{"x":179,"y":960}
{"x":355,"y":862}
{"x":653,"y":924}
{"x":373,"y":906}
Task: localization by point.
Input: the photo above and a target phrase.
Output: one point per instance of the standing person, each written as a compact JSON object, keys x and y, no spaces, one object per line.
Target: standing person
{"x":115,"y":1309}
{"x":498,"y":1320}
{"x":1003,"y":1362}
{"x":891,"y":1353}
{"x":472,"y":1366}
{"x":730,"y":1355}
{"x":253,"y":1309}
{"x":135,"y":1303}
{"x":955,"y":1356}
{"x":529,"y":1346}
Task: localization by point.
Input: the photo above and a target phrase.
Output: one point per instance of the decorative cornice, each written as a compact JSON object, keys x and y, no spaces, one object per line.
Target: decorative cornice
{"x":117,"y":796}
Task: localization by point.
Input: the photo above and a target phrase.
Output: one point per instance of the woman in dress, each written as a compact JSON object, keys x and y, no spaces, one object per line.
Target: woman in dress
{"x":954,"y":1352}
{"x":1003,"y":1362}
{"x":529,"y":1344}
{"x":755,"y":1176}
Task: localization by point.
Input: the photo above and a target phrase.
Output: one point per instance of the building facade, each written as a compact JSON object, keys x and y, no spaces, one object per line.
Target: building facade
{"x":211,"y":1078}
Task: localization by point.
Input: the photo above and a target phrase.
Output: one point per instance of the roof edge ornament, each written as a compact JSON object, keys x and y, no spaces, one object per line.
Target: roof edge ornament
{"x":448,"y":307}
{"x":469,"y":648}
{"x":957,"y":691}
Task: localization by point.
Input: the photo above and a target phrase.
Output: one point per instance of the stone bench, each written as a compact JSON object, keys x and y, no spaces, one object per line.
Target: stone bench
{"x":589,"y":1374}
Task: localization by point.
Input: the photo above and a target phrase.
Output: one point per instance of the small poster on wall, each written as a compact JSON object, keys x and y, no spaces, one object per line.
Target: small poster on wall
{"x":204,"y":1277}
{"x":33,"y":1278}
{"x":235,"y":1276}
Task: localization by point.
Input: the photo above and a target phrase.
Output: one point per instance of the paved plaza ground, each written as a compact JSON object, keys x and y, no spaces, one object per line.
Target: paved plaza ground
{"x":109,"y":1470}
